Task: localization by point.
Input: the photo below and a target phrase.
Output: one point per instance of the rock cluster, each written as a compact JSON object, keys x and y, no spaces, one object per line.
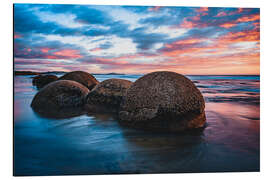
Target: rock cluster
{"x":158,"y":101}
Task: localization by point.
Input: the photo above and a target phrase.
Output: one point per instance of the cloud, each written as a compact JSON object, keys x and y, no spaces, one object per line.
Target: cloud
{"x":68,"y":53}
{"x":145,"y":40}
{"x":155,"y":8}
{"x":219,"y":17}
{"x":36,"y":47}
{"x":159,"y":20}
{"x":27,"y":21}
{"x":132,"y":39}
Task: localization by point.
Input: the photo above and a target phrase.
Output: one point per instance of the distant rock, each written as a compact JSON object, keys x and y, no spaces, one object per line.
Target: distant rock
{"x":58,"y":97}
{"x":163,"y":101}
{"x":84,"y":78}
{"x":109,"y":73}
{"x":107,"y":95}
{"x":22,"y":73}
{"x":115,"y":74}
{"x":42,"y":80}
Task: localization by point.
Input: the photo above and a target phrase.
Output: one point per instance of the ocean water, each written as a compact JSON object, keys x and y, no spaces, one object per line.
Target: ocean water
{"x":97,"y":144}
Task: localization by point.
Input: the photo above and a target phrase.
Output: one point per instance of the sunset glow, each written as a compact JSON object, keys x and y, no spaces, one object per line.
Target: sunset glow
{"x":136,"y":39}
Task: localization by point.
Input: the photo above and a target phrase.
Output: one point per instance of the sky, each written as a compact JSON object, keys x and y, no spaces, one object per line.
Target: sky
{"x":136,"y":39}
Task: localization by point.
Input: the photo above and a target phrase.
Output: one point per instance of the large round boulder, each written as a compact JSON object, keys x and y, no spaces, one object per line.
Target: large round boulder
{"x":42,"y":80}
{"x":163,"y":101}
{"x":82,"y":77}
{"x":107,"y":95}
{"x":58,"y":97}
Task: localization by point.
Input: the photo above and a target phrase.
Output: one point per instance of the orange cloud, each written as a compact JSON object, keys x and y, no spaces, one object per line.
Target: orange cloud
{"x":226,"y":50}
{"x":253,"y":17}
{"x":249,"y":18}
{"x":187,"y":24}
{"x":243,"y":36}
{"x":232,"y":64}
{"x":156,"y":8}
{"x":189,"y":41}
{"x":51,"y":57}
{"x":191,"y":22}
{"x":228,"y":25}
{"x":203,"y":11}
{"x":45,"y":50}
{"x":196,"y":18}
{"x":182,"y":47}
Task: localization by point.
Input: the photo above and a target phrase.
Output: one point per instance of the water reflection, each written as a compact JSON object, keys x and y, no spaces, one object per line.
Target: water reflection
{"x":97,"y":144}
{"x":61,"y":114}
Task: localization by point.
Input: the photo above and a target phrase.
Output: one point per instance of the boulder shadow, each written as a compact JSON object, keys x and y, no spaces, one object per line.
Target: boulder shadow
{"x":61,"y":114}
{"x":152,"y":138}
{"x":166,"y":152}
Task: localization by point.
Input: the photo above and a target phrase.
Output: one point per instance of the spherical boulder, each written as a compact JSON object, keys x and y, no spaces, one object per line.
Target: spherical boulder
{"x":42,"y":80}
{"x":107,"y":95}
{"x":59,"y":96}
{"x":163,"y":101}
{"x":82,"y":77}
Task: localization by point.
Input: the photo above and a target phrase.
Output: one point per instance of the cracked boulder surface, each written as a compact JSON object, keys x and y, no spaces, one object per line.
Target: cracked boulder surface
{"x":163,"y":101}
{"x":107,"y":95}
{"x":81,"y":77}
{"x":42,"y":80}
{"x":59,"y":97}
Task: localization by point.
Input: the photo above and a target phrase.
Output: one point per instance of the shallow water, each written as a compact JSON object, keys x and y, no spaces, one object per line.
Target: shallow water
{"x":97,"y":144}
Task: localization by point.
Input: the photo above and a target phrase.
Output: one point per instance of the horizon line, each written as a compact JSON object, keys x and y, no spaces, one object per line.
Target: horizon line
{"x":148,"y":73}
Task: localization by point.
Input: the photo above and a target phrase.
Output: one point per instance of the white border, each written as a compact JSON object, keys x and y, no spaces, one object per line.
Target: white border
{"x":208,"y":3}
{"x":6,"y":85}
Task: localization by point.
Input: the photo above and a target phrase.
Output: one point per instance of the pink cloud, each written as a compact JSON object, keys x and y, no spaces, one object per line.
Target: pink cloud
{"x":68,"y":53}
{"x":156,"y":8}
{"x":187,"y":24}
{"x":45,"y":50}
{"x":220,"y":14}
{"x":203,"y":11}
{"x":16,"y":36}
{"x":240,"y":10}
